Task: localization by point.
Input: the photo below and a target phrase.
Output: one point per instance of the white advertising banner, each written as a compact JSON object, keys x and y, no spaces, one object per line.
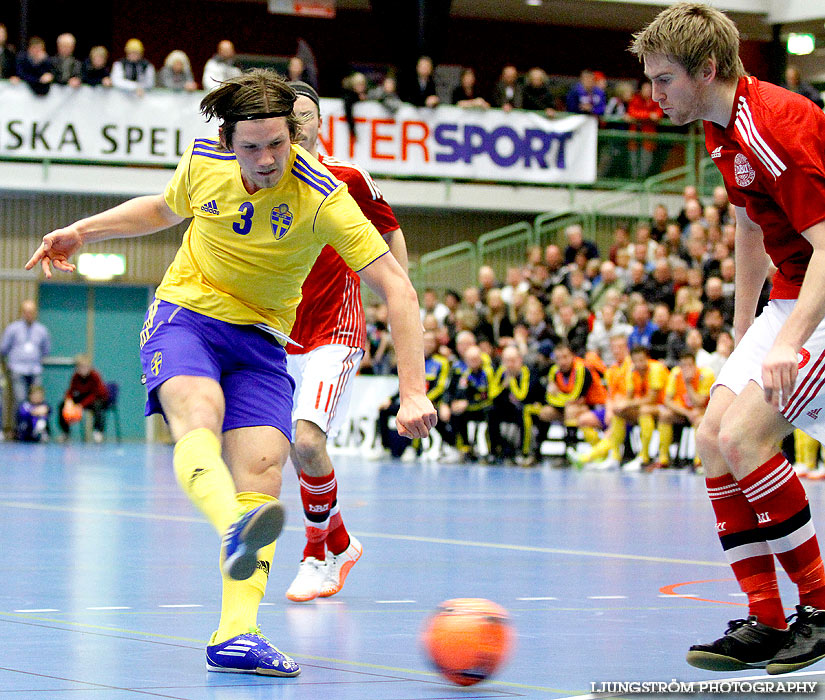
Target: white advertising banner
{"x":97,"y":125}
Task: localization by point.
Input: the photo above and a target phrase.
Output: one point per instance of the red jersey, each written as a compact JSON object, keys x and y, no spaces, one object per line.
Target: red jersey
{"x":330,"y":311}
{"x":772,"y":159}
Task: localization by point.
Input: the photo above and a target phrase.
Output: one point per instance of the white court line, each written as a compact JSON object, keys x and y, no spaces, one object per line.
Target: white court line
{"x":540,"y":597}
{"x":678,"y":595}
{"x":395,"y":601}
{"x":38,"y":610}
{"x":190,"y":605}
{"x":737,"y":595}
{"x":109,"y":607}
{"x":606,"y":597}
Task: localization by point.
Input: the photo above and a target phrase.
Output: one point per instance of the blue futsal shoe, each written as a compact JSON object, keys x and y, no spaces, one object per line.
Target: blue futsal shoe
{"x":250,"y":653}
{"x":257,"y":528}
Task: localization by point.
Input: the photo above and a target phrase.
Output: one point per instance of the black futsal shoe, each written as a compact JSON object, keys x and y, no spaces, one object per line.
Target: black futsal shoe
{"x":806,"y":645}
{"x":746,"y":644}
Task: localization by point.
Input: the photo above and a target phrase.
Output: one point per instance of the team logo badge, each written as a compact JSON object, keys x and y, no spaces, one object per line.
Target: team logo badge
{"x":742,"y":171}
{"x":157,"y":361}
{"x":281,"y":220}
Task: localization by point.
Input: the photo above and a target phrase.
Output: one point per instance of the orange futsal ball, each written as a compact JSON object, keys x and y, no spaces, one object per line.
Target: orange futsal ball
{"x":468,"y":639}
{"x":72,"y":413}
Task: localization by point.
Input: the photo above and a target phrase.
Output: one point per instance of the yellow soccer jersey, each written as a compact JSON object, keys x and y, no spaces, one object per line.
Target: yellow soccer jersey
{"x":245,"y":256}
{"x":677,"y":387}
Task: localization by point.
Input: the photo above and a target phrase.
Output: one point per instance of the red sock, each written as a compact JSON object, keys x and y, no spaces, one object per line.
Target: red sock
{"x":746,"y":550}
{"x":318,"y":495}
{"x":781,"y":505}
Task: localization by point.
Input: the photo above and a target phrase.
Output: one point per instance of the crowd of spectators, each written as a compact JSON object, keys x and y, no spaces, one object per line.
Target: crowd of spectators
{"x":664,"y":284}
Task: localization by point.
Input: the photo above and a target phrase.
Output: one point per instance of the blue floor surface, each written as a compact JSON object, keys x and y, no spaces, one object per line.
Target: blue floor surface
{"x":111,"y":586}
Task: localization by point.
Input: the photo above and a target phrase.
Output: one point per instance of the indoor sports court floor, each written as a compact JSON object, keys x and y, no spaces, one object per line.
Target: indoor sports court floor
{"x":111,"y":589}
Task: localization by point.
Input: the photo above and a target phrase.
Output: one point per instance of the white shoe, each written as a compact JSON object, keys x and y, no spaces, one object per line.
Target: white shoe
{"x":634,"y":465}
{"x":409,"y":454}
{"x":338,"y":567}
{"x":97,"y":437}
{"x":377,"y":454}
{"x":604,"y":464}
{"x":450,"y":455}
{"x":307,"y":584}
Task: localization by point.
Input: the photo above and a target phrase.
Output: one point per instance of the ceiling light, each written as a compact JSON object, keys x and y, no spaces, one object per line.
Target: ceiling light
{"x":534,"y":3}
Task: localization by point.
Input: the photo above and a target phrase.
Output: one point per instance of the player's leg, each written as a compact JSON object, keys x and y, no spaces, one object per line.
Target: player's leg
{"x":320,"y":409}
{"x":257,"y":430}
{"x":667,"y":419}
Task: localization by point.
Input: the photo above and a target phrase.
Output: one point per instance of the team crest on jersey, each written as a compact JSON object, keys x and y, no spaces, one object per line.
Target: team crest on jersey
{"x":281,"y":220}
{"x":743,"y":171}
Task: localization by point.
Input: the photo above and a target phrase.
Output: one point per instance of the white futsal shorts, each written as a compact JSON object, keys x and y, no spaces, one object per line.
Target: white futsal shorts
{"x":805,"y":407}
{"x":323,"y":385}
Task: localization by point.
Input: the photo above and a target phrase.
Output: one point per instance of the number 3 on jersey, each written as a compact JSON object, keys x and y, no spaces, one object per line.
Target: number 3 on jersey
{"x":244,"y":226}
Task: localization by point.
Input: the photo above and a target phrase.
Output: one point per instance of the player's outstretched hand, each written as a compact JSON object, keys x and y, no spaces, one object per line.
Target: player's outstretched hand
{"x":415,"y":417}
{"x":56,"y":249}
{"x":779,"y":370}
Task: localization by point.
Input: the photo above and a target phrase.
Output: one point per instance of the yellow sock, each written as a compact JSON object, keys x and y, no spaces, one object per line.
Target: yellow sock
{"x":205,"y":478}
{"x":591,"y":435}
{"x":646,"y":427}
{"x":241,"y":599}
{"x":665,"y":441}
{"x":618,"y":429}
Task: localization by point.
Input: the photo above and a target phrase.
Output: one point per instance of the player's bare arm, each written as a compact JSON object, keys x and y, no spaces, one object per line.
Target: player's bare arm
{"x":780,"y":367}
{"x":416,"y":415}
{"x":398,"y":247}
{"x":137,"y":217}
{"x":751,"y":267}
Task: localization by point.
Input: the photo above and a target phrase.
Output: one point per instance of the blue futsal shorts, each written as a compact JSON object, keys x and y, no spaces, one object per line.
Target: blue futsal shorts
{"x":248,"y":363}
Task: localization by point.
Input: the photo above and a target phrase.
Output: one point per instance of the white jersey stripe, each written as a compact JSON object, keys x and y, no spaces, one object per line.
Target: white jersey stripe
{"x":763,"y":144}
{"x":744,"y":131}
{"x":376,"y":193}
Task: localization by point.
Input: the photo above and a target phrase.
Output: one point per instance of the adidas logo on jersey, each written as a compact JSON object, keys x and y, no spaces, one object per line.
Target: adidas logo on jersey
{"x":814,"y":414}
{"x":717,"y":152}
{"x":210,"y":207}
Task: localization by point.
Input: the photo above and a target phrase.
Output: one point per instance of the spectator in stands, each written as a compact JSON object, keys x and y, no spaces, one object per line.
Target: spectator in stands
{"x":612,"y":153}
{"x":466,"y":92}
{"x":727,"y":272}
{"x":8,"y":61}
{"x":646,"y":115}
{"x":693,"y":340}
{"x":67,"y":69}
{"x":576,"y":242}
{"x":676,"y":344}
{"x":722,"y":203}
{"x":647,"y":384}
{"x":536,"y":94}
{"x":86,"y":390}
{"x":616,"y":107}
{"x":711,"y":325}
{"x":658,"y":226}
{"x":497,"y":319}
{"x":377,"y":353}
{"x":176,"y":73}
{"x":606,"y":325}
{"x":693,"y":214}
{"x":639,"y":282}
{"x":724,"y":347}
{"x":133,"y":73}
{"x":621,"y":240}
{"x":658,"y":339}
{"x":689,"y":304}
{"x":24,"y":344}
{"x":508,"y":93}
{"x":472,"y":398}
{"x":431,"y":305}
{"x":34,"y":67}
{"x":514,"y":282}
{"x":643,"y":326}
{"x":387,"y":94}
{"x":585,"y":97}
{"x":690,"y":192}
{"x":794,"y":83}
{"x":674,"y":246}
{"x":421,"y":90}
{"x":571,"y":329}
{"x":33,"y":417}
{"x":486,"y":281}
{"x":686,"y":398}
{"x":697,"y":249}
{"x":642,"y":236}
{"x":221,"y":66}
{"x":662,"y":291}
{"x":354,"y":91}
{"x":95,"y":70}
{"x":296,"y":70}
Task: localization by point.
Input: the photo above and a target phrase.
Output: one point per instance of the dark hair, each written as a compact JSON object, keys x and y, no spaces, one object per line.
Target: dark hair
{"x":643,"y":349}
{"x":256,"y":94}
{"x":687,"y":354}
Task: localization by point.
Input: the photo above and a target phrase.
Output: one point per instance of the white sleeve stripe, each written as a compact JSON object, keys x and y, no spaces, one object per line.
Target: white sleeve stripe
{"x":373,"y":188}
{"x":744,"y":122}
{"x":771,"y":154}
